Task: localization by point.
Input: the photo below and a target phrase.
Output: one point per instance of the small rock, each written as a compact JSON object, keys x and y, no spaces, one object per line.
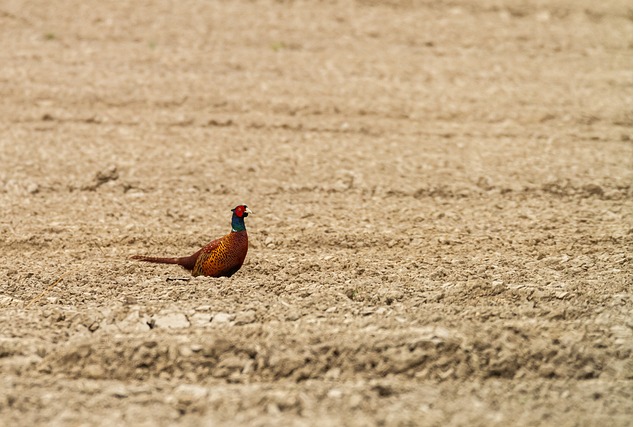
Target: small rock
{"x":367,"y":311}
{"x":333,"y":373}
{"x":117,"y":390}
{"x":439,"y":273}
{"x":201,"y":319}
{"x":133,"y":323}
{"x":272,"y":409}
{"x":394,"y":295}
{"x":222,"y":317}
{"x":190,"y":393}
{"x":485,"y":183}
{"x":185,"y":351}
{"x":593,"y":190}
{"x":355,"y":401}
{"x":94,"y":371}
{"x":129,"y":300}
{"x":171,"y":321}
{"x":246,"y":317}
{"x":334,"y":393}
{"x":292,"y":316}
{"x":106,"y":175}
{"x":33,"y":188}
{"x":547,"y":370}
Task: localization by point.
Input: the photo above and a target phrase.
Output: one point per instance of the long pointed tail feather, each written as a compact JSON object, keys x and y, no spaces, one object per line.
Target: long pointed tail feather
{"x":187,"y":262}
{"x":158,"y":260}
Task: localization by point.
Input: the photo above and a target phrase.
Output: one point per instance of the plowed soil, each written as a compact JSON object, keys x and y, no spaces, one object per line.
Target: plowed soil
{"x":442,"y":197}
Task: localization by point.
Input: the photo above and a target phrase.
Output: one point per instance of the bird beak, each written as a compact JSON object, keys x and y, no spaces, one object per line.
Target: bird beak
{"x":248,"y":210}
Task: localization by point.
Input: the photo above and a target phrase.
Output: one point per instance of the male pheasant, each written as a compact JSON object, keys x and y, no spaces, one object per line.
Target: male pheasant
{"x":221,"y":257}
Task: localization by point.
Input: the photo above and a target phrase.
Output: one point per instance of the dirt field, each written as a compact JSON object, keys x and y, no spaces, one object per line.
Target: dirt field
{"x":443,"y":212}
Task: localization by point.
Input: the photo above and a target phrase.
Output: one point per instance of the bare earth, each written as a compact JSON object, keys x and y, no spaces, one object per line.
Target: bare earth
{"x":443,"y":212}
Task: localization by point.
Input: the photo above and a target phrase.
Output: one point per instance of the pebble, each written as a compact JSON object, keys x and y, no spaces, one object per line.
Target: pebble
{"x":171,"y":321}
{"x":593,"y":189}
{"x":201,"y":319}
{"x":222,"y":317}
{"x":245,"y":317}
{"x":94,"y":371}
{"x":189,"y":393}
{"x":334,"y":393}
{"x":117,"y":390}
{"x":33,"y":188}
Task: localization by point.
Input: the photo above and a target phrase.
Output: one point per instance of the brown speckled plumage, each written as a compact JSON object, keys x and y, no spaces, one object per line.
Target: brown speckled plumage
{"x":221,"y":257}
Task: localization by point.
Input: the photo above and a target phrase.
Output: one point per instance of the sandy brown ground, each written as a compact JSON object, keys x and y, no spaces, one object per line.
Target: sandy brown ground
{"x":442,"y":196}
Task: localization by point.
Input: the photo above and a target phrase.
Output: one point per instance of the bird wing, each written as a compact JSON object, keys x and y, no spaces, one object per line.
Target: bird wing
{"x":211,"y":246}
{"x":197,"y":259}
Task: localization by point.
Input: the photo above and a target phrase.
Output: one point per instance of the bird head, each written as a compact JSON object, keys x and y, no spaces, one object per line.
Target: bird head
{"x":241,"y":211}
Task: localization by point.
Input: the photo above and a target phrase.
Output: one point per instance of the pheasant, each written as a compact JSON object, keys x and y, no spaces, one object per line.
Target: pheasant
{"x":221,"y":257}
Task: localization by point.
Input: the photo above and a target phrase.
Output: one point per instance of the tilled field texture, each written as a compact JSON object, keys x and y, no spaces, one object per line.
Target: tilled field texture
{"x":443,"y":212}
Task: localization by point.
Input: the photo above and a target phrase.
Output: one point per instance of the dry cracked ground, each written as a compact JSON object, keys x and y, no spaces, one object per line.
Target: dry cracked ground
{"x":443,"y":212}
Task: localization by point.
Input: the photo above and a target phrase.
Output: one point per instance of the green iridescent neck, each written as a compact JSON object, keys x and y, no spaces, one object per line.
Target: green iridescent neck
{"x":237,"y":224}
